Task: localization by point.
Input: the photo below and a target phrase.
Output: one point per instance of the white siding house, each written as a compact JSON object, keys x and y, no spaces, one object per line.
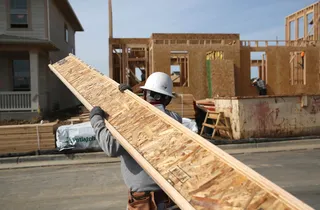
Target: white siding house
{"x":34,"y":33}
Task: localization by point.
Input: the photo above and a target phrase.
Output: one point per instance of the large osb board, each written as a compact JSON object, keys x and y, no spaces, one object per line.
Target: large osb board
{"x":198,"y":85}
{"x":278,"y":71}
{"x":195,"y":173}
{"x":223,"y":79}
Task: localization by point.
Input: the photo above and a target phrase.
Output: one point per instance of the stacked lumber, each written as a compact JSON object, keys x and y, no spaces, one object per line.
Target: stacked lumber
{"x":27,"y":138}
{"x":84,"y":117}
{"x":193,"y":172}
{"x":183,"y":105}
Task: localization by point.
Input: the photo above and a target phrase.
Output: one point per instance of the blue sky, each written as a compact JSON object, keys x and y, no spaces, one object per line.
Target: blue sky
{"x":253,"y":19}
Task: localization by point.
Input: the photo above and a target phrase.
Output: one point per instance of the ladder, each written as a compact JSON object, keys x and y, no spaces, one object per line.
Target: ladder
{"x":220,"y":123}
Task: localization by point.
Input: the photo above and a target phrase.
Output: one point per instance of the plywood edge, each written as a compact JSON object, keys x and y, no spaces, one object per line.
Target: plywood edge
{"x":261,"y":181}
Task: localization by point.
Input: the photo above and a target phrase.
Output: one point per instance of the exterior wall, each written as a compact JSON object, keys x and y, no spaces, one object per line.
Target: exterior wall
{"x":278,"y":71}
{"x":57,"y":32}
{"x":38,"y":21}
{"x":259,"y":117}
{"x":222,"y":78}
{"x":198,"y":86}
{"x":3,"y":17}
{"x":43,"y":82}
{"x":59,"y":93}
{"x":5,"y":74}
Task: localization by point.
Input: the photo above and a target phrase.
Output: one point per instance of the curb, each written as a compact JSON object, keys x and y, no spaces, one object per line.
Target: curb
{"x":56,"y":157}
{"x":271,"y":149}
{"x":35,"y":164}
{"x":100,"y":157}
{"x":291,"y":143}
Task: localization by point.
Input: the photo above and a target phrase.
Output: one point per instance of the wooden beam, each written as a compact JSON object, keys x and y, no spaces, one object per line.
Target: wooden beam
{"x":305,"y":26}
{"x":136,"y":59}
{"x":193,"y":172}
{"x":134,"y":41}
{"x":110,"y":19}
{"x":111,"y":70}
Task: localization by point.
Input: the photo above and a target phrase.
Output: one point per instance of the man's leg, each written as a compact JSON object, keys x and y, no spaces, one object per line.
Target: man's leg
{"x":263,"y":92}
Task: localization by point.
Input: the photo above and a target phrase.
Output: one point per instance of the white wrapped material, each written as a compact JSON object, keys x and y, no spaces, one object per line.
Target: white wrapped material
{"x":78,"y":136}
{"x":191,"y":124}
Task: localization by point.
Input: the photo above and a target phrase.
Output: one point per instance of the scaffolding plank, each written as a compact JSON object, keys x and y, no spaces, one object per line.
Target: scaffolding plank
{"x":193,"y":172}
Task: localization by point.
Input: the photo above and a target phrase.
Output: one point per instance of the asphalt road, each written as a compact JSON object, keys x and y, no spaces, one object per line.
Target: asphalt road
{"x":100,"y":186}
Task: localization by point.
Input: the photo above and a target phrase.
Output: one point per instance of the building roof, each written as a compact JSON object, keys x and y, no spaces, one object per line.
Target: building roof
{"x":66,"y":9}
{"x":26,"y":41}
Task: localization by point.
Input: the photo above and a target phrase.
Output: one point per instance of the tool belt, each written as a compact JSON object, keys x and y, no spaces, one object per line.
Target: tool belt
{"x":149,"y":200}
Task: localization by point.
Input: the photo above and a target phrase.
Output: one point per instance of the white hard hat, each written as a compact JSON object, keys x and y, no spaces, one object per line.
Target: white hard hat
{"x":255,"y":80}
{"x":159,"y":82}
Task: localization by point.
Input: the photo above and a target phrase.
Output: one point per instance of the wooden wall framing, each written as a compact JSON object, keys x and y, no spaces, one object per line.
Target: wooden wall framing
{"x":274,"y":69}
{"x":303,"y":13}
{"x":278,"y":74}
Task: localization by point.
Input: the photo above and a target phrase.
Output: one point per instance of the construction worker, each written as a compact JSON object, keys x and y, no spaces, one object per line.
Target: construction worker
{"x":144,"y":193}
{"x":302,"y":59}
{"x":260,"y":84}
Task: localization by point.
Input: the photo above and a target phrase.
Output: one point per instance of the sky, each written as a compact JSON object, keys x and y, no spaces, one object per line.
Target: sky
{"x":252,"y":19}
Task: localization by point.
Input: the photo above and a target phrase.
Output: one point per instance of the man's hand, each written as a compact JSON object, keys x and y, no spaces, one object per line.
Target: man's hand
{"x":123,"y":87}
{"x":98,"y":111}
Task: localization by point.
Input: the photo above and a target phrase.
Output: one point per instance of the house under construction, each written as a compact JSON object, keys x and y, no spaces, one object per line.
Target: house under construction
{"x":220,"y":66}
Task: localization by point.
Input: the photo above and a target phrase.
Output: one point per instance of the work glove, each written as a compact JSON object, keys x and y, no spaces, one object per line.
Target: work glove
{"x":98,"y":111}
{"x":123,"y":87}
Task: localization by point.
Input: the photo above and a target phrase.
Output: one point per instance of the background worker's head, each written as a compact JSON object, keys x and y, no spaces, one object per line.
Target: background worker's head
{"x":254,"y":81}
{"x":158,"y":89}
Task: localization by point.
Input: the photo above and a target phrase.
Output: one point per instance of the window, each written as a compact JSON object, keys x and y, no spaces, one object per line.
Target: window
{"x":179,"y":68}
{"x":19,"y":13}
{"x":21,"y":75}
{"x":258,"y":66}
{"x":301,"y":28}
{"x":66,"y":33}
{"x":310,"y":17}
{"x":297,"y":68}
{"x":292,"y":29}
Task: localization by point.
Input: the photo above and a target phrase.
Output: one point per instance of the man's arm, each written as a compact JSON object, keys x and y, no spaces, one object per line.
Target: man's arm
{"x":105,"y":139}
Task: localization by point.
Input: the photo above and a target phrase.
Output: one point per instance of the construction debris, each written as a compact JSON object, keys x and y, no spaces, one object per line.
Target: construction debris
{"x":192,"y":171}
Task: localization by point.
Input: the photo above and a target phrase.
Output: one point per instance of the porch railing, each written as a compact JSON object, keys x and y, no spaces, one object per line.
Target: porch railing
{"x":15,"y":101}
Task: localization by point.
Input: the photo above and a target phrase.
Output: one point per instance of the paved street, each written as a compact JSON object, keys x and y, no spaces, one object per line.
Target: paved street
{"x":100,"y":186}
